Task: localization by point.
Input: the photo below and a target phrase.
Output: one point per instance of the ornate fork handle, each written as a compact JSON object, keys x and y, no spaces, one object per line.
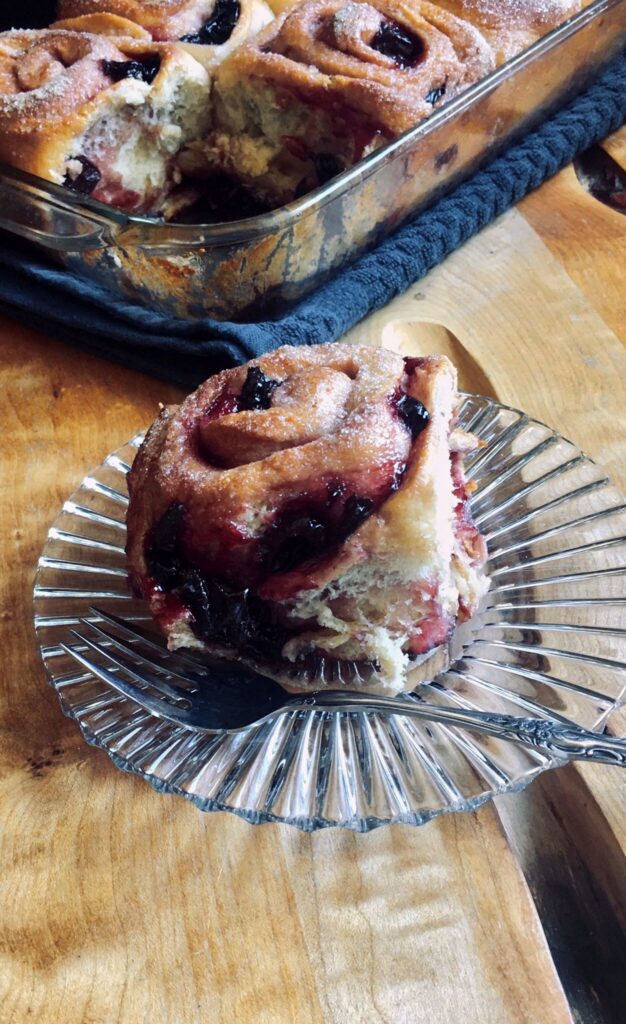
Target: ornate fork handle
{"x":567,"y":742}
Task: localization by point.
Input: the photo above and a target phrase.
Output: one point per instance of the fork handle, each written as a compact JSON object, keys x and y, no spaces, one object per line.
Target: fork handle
{"x":566,"y":742}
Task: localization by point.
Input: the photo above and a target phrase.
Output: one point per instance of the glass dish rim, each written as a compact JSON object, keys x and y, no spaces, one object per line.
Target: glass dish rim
{"x":134,"y":229}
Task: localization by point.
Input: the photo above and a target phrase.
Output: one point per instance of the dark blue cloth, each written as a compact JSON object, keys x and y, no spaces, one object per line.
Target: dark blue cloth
{"x":65,"y":306}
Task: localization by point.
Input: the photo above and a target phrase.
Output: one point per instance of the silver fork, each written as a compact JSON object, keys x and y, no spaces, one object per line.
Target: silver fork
{"x":223,"y":697}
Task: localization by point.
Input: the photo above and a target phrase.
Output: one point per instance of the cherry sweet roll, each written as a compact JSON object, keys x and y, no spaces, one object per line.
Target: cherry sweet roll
{"x":330,"y":81}
{"x":103,"y":118}
{"x":511,"y":26}
{"x":209,"y":29}
{"x":309,"y":509}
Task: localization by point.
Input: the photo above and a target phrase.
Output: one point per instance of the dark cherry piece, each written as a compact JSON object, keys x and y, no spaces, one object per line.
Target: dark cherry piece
{"x":395,"y":42}
{"x":222,"y":613}
{"x":414,"y":414}
{"x":436,"y":94}
{"x":356,"y":511}
{"x":86,"y":181}
{"x":162,"y":556}
{"x":145,"y":69}
{"x":306,"y":535}
{"x":257,"y":390}
{"x":219,"y":27}
{"x":294,"y":541}
{"x":234,"y":618}
{"x":327,"y":166}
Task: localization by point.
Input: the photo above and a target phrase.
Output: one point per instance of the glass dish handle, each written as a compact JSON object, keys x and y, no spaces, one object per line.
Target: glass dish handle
{"x":55,"y":225}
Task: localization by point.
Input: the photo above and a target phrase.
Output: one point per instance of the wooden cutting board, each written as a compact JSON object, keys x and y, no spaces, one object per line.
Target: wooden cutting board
{"x":119,"y":904}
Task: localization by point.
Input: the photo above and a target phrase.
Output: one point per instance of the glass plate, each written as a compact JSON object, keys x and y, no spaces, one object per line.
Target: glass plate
{"x":550,"y":641}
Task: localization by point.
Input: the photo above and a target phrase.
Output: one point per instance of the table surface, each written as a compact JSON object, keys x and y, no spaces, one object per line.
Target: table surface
{"x":120,"y":904}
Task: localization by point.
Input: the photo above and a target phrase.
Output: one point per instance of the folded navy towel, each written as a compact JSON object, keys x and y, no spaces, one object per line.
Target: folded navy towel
{"x":65,"y":306}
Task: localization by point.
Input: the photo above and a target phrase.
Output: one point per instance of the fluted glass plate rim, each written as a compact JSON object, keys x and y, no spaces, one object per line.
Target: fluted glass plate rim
{"x":258,"y":815}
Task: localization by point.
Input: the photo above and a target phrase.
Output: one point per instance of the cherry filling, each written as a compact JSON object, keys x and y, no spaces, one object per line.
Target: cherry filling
{"x":222,"y":612}
{"x":414,"y":415}
{"x":225,"y":200}
{"x":302,"y":534}
{"x":227,"y":613}
{"x":145,"y":69}
{"x":292,"y":541}
{"x":255,"y":394}
{"x":232,"y":617}
{"x":436,"y":94}
{"x":356,"y":510}
{"x":223,"y":405}
{"x":403,"y":47}
{"x":163,"y":559}
{"x":257,"y":390}
{"x":86,"y":181}
{"x":219,"y":28}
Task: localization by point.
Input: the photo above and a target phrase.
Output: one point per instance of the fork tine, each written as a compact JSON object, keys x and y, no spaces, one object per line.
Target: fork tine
{"x":174,"y":692}
{"x":154,"y":705}
{"x":136,"y":653}
{"x":151,"y":640}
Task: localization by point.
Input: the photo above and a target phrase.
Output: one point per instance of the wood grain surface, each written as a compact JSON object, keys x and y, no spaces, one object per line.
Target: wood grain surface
{"x":118,"y":904}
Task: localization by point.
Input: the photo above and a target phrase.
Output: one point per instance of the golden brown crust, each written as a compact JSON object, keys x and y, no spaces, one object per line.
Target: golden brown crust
{"x":103,"y":25}
{"x":69,"y":112}
{"x":168,"y":21}
{"x":174,"y":19}
{"x":49,"y":82}
{"x":330,"y":418}
{"x":524,"y":14}
{"x":513,"y":25}
{"x":163,"y":19}
{"x":323,"y":50}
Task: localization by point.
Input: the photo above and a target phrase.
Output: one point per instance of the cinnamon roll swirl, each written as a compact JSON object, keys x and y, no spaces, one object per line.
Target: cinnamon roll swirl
{"x":309,"y":506}
{"x":208,"y":28}
{"x":511,"y":26}
{"x":104,"y":118}
{"x":331,"y":80}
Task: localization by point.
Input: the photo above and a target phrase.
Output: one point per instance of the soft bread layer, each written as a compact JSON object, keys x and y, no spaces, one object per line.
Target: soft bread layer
{"x":65,"y":109}
{"x":255,"y":119}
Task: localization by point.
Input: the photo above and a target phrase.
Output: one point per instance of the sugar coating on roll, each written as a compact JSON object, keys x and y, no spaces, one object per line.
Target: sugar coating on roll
{"x":329,"y":82}
{"x":103,"y":117}
{"x":310,"y":509}
{"x":511,"y":26}
{"x":209,"y":29}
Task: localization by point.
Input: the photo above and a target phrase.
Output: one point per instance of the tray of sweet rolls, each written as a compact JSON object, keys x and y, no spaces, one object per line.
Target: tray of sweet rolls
{"x":223,"y":157}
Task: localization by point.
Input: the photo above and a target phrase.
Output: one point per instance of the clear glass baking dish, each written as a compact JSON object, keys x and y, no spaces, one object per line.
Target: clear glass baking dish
{"x":252,"y":268}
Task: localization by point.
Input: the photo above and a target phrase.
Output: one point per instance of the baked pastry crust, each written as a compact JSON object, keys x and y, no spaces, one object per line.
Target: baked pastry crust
{"x":511,"y":26}
{"x":104,"y":24}
{"x":208,"y":29}
{"x":71,"y":112}
{"x":331,"y":80}
{"x":330,"y":522}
